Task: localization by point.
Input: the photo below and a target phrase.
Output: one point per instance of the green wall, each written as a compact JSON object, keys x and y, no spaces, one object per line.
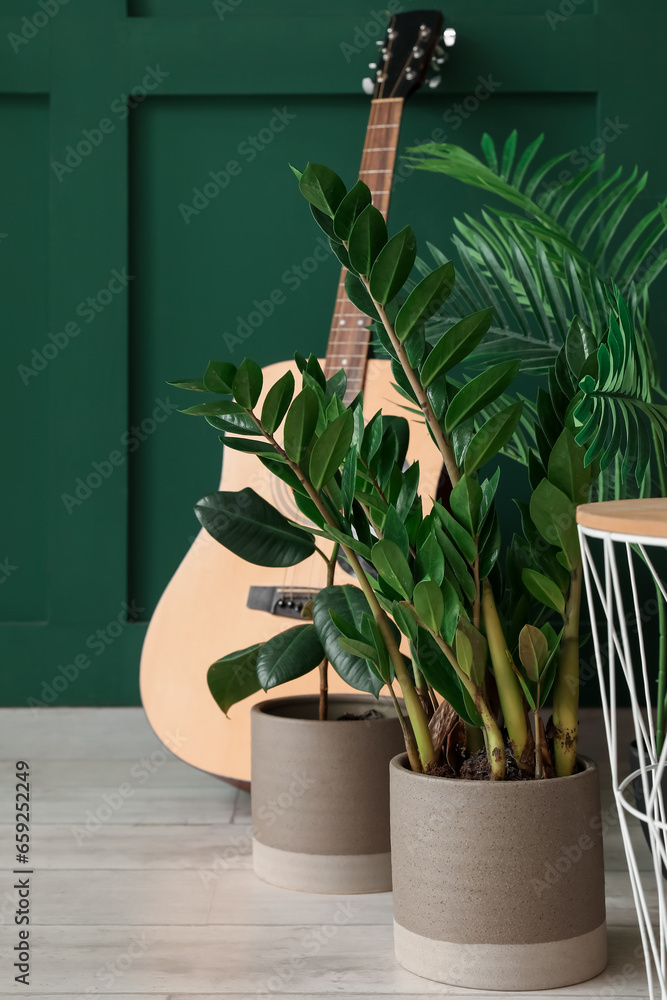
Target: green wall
{"x":112,"y":284}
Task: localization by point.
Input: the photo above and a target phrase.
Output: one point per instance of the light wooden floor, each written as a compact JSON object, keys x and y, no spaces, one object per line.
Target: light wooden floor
{"x":157,"y":898}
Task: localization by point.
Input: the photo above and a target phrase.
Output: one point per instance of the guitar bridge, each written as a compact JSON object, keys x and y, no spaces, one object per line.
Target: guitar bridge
{"x":281,"y":601}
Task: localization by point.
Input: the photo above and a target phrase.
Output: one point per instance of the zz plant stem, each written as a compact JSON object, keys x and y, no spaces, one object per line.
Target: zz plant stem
{"x":566,"y":689}
{"x":421,"y":754}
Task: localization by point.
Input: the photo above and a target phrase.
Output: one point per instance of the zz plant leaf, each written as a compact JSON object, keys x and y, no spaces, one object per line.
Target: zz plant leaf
{"x":393,"y":265}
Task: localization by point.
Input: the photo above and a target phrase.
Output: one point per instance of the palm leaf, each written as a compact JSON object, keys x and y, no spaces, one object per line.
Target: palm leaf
{"x":614,"y":415}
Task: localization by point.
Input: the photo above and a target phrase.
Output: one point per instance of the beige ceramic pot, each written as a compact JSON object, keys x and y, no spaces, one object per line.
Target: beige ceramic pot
{"x":498,"y":885}
{"x":320,"y":793}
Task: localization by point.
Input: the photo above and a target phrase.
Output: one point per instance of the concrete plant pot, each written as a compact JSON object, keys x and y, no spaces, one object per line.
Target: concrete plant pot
{"x":498,"y":885}
{"x":320,"y":793}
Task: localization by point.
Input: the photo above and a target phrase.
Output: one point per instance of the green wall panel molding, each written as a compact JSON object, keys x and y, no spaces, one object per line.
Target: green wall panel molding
{"x":121,"y":120}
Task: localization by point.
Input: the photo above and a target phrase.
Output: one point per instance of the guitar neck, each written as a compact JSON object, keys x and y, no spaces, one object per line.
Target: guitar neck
{"x":349,"y":335}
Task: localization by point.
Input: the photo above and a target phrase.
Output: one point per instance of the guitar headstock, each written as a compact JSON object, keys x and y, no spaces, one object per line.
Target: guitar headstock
{"x":413,"y":40}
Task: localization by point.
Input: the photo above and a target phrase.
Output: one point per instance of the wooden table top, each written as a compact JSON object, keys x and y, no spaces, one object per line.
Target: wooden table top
{"x":646,"y":517}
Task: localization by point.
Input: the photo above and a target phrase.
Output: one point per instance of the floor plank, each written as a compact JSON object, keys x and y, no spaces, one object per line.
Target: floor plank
{"x":332,"y":957}
{"x":137,"y":847}
{"x":156,"y":898}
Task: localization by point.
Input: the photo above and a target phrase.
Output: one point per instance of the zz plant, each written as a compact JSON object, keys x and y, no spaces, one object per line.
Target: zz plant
{"x":427,"y":572}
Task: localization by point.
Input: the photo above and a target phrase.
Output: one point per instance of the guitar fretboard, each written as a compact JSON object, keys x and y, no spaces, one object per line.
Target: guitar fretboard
{"x":349,"y":335}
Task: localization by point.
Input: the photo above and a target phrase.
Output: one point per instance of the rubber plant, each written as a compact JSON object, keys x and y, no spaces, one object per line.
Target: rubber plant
{"x":427,"y":572}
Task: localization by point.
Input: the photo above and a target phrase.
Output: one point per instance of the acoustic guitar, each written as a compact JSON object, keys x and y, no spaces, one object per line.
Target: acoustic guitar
{"x":217,"y":603}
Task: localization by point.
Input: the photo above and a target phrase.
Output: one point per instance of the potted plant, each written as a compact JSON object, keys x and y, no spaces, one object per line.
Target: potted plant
{"x":485,"y":799}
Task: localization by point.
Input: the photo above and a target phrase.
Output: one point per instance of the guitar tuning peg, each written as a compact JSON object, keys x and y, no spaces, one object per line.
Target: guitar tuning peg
{"x":372,"y":65}
{"x":434,"y":82}
{"x":440,"y":60}
{"x":368,"y":85}
{"x":449,"y":37}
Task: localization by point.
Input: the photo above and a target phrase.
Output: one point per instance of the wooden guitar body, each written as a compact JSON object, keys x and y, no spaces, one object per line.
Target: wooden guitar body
{"x":203,"y":613}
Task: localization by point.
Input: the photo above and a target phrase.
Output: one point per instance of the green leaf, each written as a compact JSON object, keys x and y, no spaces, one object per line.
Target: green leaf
{"x":368,"y":236}
{"x":394,"y":529}
{"x":488,"y":487}
{"x":429,"y":604}
{"x":473,"y":647}
{"x":580,"y":343}
{"x":359,"y":297}
{"x":247,"y":384}
{"x":277,"y":402}
{"x":533,"y":651}
{"x":344,"y":604}
{"x":348,"y":481}
{"x":234,"y":677}
{"x":330,"y":449}
{"x":322,"y":188}
{"x":251,"y":446}
{"x":455,"y":345}
{"x":392,"y":266}
{"x":425,"y":300}
{"x":254,"y":530}
{"x":452,"y":611}
{"x":455,"y":562}
{"x":219,"y":376}
{"x":354,"y":202}
{"x":492,"y":437}
{"x":235,"y":421}
{"x":459,"y":535}
{"x":543,"y":589}
{"x":189,"y":383}
{"x":289,"y":655}
{"x":440,"y":674}
{"x":553,"y":514}
{"x":393,"y":567}
{"x":214,"y":408}
{"x":357,"y":648}
{"x":300,"y":424}
{"x":405,"y":620}
{"x":489,"y":545}
{"x":464,"y":653}
{"x":479,"y":392}
{"x":325,"y":222}
{"x":430,"y":561}
{"x":466,"y":502}
{"x":567,"y":470}
{"x":278,"y":468}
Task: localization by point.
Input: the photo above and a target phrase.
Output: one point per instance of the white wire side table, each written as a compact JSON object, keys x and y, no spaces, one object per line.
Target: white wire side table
{"x":623,"y":545}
